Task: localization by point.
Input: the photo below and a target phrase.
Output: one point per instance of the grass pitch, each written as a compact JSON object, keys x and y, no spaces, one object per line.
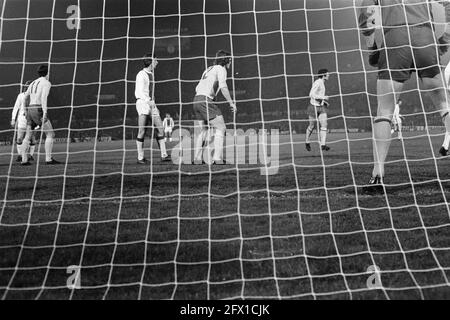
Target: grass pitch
{"x":167,"y":231}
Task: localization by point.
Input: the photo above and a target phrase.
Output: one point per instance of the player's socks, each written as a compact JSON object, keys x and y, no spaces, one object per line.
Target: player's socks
{"x":198,"y":148}
{"x":162,"y":147}
{"x":382,"y":141}
{"x":48,"y":148}
{"x":218,"y":145}
{"x":309,"y":131}
{"x":446,"y":142}
{"x":323,"y":136}
{"x":140,"y":148}
{"x":32,"y":148}
{"x":19,"y":148}
{"x":24,"y":151}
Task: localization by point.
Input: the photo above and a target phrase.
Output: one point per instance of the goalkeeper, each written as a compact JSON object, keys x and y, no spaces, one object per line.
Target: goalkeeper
{"x":409,"y":45}
{"x":317,"y":110}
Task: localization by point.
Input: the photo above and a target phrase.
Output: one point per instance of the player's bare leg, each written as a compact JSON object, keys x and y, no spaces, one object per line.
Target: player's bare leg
{"x":386,"y":92}
{"x":218,"y":123}
{"x":47,"y":128}
{"x":309,"y":131}
{"x":323,"y":122}
{"x":142,"y":130}
{"x":439,"y":97}
{"x":200,"y":131}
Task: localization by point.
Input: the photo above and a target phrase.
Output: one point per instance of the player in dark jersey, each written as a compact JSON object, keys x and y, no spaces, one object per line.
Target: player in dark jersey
{"x":409,"y":45}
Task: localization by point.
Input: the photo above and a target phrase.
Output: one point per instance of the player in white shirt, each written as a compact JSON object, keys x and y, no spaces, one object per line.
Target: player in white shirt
{"x":19,"y":122}
{"x":317,"y":110}
{"x":37,"y":115}
{"x":206,"y":112}
{"x":397,"y":120}
{"x":146,"y":109}
{"x":168,"y":125}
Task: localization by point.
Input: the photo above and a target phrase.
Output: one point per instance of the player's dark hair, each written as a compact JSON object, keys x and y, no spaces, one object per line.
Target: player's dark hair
{"x":42,"y":70}
{"x":147,"y":60}
{"x":322,"y":72}
{"x":223,"y":58}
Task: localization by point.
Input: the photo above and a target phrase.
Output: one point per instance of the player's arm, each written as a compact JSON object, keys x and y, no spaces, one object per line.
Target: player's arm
{"x":444,"y":40}
{"x":44,"y":98}
{"x":15,"y":111}
{"x":222,"y":77}
{"x":364,"y":18}
{"x":367,"y":29}
{"x":172,"y":124}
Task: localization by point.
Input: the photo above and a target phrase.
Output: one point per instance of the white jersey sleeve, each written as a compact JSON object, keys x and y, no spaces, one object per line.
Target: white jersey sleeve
{"x":18,"y":106}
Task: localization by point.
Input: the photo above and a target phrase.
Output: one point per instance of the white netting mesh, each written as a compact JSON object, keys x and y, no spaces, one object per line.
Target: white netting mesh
{"x":292,"y":226}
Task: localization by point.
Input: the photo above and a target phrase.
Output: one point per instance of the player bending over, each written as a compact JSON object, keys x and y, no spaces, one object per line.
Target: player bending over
{"x":317,"y":111}
{"x":168,"y":125}
{"x":206,"y":112}
{"x":19,"y":118}
{"x":37,"y":115}
{"x":146,"y":109}
{"x":409,"y":45}
{"x":397,"y":120}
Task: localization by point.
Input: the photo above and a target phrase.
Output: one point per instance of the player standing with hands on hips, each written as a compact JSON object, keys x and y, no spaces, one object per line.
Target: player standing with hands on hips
{"x":206,"y":112}
{"x":146,"y":108}
{"x":317,"y":110}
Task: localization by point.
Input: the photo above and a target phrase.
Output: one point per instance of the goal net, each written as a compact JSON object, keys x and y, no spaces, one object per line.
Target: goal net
{"x":276,"y":221}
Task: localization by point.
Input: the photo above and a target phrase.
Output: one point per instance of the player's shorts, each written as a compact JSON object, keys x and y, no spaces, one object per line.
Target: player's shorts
{"x":168,"y":130}
{"x":22,"y":122}
{"x":405,"y":52}
{"x":315,"y":111}
{"x":34,"y":116}
{"x":205,"y":109}
{"x":144,"y":108}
